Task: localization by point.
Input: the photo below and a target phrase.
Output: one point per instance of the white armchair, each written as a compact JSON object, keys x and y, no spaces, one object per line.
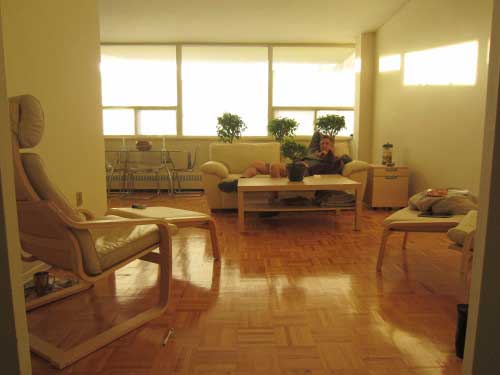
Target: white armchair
{"x":228,"y":161}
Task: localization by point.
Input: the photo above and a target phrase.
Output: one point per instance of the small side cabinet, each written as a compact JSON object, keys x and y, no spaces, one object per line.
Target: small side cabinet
{"x":387,"y":186}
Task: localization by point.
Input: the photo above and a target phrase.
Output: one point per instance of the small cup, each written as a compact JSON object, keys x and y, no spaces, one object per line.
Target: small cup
{"x":42,"y":282}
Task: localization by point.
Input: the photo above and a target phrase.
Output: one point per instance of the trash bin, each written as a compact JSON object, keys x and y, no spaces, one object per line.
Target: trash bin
{"x":462,"y":313}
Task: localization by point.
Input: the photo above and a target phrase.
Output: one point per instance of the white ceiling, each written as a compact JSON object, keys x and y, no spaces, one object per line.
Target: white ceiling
{"x":309,"y":21}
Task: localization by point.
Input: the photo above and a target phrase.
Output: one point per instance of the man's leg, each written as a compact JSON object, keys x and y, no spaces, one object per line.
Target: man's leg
{"x":283,"y":170}
{"x":255,"y":167}
{"x":278,"y":170}
{"x":249,"y":172}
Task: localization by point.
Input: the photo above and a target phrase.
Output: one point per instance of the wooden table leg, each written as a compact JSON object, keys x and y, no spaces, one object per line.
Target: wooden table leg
{"x":359,"y":206}
{"x":241,"y":210}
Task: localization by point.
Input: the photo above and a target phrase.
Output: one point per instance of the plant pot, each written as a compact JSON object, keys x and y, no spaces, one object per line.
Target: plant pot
{"x":296,"y":171}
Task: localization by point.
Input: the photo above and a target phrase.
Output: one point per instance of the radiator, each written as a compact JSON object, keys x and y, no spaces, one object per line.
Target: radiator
{"x":189,"y":181}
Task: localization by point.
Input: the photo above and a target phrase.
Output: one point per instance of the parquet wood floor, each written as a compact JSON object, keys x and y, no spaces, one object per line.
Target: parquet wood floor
{"x":295,"y":294}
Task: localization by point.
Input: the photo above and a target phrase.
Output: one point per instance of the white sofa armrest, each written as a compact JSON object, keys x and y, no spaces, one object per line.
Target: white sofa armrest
{"x":466,"y":227}
{"x":214,"y":168}
{"x":354,"y":166}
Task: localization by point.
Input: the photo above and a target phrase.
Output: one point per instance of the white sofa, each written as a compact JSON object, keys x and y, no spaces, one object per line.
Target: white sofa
{"x":229,"y":160}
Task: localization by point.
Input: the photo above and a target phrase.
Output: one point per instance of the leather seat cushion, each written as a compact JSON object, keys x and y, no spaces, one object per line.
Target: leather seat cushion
{"x":116,"y":245}
{"x":408,"y":218}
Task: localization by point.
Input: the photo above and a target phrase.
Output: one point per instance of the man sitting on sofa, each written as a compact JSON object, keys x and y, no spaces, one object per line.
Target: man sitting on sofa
{"x":323,"y":161}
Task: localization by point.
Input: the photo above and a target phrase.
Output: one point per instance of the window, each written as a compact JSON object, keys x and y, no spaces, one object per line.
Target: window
{"x":309,"y":82}
{"x":118,"y":121}
{"x":140,"y":87}
{"x":224,"y":79}
{"x":153,"y":122}
{"x":306,"y":120}
{"x":133,"y":77}
{"x":348,"y":117}
{"x":138,"y":76}
{"x":313,"y":77}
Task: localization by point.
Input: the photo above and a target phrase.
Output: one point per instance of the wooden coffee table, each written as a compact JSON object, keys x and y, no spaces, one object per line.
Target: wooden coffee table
{"x":312,"y":183}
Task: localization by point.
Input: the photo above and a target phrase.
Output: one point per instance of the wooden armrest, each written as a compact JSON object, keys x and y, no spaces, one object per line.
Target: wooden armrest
{"x":97,"y":224}
{"x":469,"y":241}
{"x":420,"y":226}
{"x":45,"y":210}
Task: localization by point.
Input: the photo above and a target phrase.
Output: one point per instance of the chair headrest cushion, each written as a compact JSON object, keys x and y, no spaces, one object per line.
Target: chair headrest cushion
{"x":26,"y":120}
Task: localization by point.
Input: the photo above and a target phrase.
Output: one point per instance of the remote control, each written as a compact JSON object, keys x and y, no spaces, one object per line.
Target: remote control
{"x":138,"y":206}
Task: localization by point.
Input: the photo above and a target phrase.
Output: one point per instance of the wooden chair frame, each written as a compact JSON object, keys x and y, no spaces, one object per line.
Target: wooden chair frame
{"x":436,"y":227}
{"x":62,"y":358}
{"x":207,"y":223}
{"x":406,"y":227}
{"x":467,"y":250}
{"x":46,"y":233}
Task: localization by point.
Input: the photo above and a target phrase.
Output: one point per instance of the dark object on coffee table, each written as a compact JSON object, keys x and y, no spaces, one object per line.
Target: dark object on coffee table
{"x":296,"y":171}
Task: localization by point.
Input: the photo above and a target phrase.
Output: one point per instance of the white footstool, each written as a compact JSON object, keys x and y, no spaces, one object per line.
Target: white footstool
{"x":407,"y":220}
{"x":181,"y":218}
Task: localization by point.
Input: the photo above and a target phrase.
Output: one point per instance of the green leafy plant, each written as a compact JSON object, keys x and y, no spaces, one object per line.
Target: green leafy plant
{"x":230,"y":127}
{"x":293,"y":150}
{"x":330,"y":124}
{"x":281,"y":128}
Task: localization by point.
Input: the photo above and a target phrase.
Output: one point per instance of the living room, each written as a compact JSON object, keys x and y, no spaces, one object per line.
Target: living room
{"x":416,"y":74}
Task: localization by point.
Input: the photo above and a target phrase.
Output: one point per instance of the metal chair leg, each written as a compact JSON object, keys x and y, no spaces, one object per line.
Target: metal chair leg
{"x":171,"y":181}
{"x":109,"y":181}
{"x":176,"y":177}
{"x":158,"y":186}
{"x":129,"y":182}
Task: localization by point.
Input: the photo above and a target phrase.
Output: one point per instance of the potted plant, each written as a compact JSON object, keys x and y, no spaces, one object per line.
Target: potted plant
{"x":230,"y":127}
{"x":330,"y":124}
{"x":296,"y":152}
{"x":281,"y":128}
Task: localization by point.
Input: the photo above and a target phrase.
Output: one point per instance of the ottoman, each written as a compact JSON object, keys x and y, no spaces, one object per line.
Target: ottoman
{"x":181,"y":218}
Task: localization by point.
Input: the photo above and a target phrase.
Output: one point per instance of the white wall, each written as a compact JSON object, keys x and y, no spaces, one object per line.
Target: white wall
{"x":436,"y":130}
{"x":13,"y":325}
{"x":52,"y":52}
{"x":363,"y":107}
{"x":242,"y":21}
